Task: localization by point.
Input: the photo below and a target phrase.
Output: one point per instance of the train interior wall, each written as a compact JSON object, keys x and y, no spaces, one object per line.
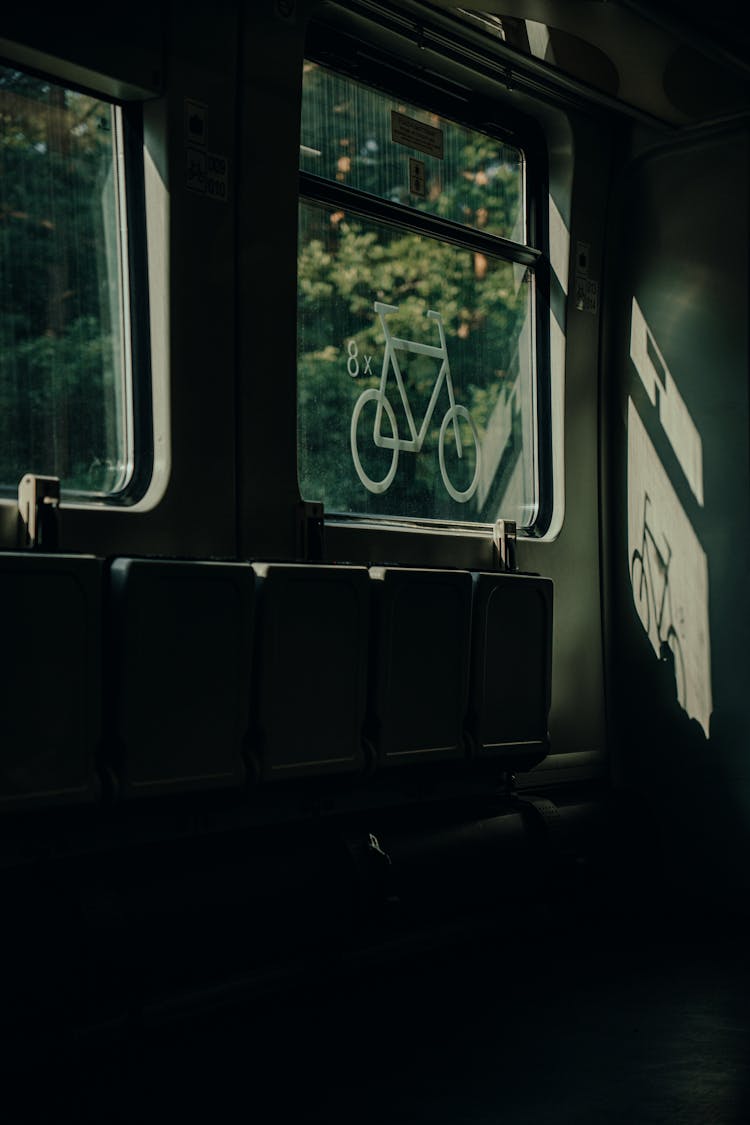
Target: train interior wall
{"x":677,"y":437}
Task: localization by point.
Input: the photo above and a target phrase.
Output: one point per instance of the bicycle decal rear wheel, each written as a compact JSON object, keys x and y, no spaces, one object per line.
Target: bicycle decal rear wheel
{"x":673,"y":644}
{"x":467,"y":493}
{"x":373,"y":395}
{"x":640,"y":590}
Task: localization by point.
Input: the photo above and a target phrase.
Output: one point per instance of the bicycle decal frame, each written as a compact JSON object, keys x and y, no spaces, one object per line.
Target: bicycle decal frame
{"x":395,"y":344}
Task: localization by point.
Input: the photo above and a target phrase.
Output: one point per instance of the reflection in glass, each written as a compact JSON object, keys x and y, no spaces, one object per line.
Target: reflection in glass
{"x":416,"y":392}
{"x":64,"y":400}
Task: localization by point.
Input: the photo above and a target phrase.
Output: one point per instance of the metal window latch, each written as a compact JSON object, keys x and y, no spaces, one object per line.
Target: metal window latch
{"x":310,"y":531}
{"x":39,"y":511}
{"x":504,"y":539}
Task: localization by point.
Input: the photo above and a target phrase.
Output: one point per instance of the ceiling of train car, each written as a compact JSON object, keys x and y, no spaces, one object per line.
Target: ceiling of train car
{"x":676,"y":61}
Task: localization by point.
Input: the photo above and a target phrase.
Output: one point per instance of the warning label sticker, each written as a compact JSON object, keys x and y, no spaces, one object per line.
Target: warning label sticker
{"x":207,"y":173}
{"x":415,"y":134}
{"x":586,"y":294}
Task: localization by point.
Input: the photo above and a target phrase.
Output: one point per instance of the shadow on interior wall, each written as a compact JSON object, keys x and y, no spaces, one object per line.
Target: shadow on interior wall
{"x":667,"y":565}
{"x":681,"y":756}
{"x":692,"y":825}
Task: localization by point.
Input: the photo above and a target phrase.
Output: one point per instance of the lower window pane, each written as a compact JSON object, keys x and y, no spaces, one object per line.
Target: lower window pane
{"x":416,"y":394}
{"x":64,"y":394}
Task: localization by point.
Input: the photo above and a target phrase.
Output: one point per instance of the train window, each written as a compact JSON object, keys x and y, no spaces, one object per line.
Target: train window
{"x":417,"y":395}
{"x":64,"y":331}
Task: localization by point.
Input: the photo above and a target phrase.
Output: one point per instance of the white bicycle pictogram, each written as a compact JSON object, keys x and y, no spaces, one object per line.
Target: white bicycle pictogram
{"x":393,"y":345}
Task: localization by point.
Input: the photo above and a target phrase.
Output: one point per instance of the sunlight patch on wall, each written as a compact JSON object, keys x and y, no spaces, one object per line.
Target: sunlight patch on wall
{"x":673,"y":413}
{"x":668,"y":570}
{"x":559,"y":245}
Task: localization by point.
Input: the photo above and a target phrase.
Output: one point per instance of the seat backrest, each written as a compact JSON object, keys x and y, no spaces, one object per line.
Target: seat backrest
{"x":311,"y":666}
{"x":511,"y":667}
{"x":419,"y":676}
{"x":50,"y":687}
{"x":180,"y":649}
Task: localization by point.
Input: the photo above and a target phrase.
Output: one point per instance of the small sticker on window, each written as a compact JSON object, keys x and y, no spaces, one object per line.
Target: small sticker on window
{"x":417,"y":178}
{"x":416,"y":134}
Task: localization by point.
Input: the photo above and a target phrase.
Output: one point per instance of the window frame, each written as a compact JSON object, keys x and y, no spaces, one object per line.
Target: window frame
{"x":407,"y":539}
{"x":137,"y":292}
{"x":129,"y":183}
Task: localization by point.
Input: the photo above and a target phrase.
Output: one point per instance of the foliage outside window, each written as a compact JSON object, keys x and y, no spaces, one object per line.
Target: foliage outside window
{"x":412,"y":260}
{"x":64,"y":347}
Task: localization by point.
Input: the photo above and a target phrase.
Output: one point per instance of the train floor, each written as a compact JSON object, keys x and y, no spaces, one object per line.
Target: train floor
{"x":616,"y":1020}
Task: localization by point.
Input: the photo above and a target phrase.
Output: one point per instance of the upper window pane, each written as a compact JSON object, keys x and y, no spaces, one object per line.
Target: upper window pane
{"x":65,"y":404}
{"x":360,"y":137}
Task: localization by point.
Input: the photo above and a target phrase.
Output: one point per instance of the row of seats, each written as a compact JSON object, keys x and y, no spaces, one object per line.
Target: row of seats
{"x":177,"y":675}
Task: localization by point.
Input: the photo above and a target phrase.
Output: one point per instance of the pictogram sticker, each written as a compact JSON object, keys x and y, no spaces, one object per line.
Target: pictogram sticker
{"x":196,"y":123}
{"x":417,"y":177}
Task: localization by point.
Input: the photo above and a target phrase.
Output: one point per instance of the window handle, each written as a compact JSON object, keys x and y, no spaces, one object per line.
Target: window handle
{"x":39,"y":512}
{"x":504,"y":539}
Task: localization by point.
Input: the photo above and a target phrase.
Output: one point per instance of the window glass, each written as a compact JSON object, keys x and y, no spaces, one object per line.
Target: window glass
{"x":360,"y":137}
{"x":416,"y":355}
{"x":366,"y":292}
{"x":64,"y":341}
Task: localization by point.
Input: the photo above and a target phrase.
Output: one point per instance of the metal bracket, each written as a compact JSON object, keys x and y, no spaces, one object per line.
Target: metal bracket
{"x":39,"y":511}
{"x":310,"y":531}
{"x":504,"y":540}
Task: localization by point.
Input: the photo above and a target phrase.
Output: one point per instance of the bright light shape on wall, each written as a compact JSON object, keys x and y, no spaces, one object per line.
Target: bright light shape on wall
{"x":674,"y":415}
{"x":669,"y":574}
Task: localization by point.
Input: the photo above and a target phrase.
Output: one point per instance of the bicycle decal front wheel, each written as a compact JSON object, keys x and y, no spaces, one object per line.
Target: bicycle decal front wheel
{"x":640,"y":590}
{"x":373,"y":395}
{"x":452,"y":415}
{"x":673,"y":644}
